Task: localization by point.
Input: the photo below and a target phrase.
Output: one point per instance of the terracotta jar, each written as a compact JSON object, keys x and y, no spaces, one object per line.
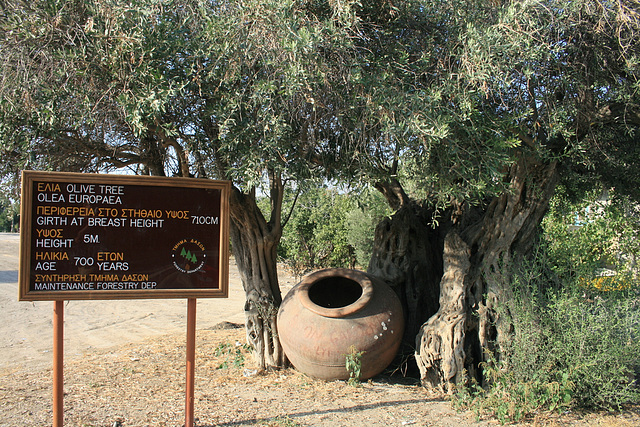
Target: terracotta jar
{"x":333,"y":312}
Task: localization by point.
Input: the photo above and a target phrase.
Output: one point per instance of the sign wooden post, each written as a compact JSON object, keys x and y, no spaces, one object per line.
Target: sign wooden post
{"x":90,"y":236}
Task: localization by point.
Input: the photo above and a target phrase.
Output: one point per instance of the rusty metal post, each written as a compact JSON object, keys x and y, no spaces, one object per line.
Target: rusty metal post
{"x":191,"y":355}
{"x":58,"y":364}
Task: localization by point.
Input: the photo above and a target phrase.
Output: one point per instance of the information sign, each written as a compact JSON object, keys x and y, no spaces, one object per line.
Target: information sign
{"x":97,"y":236}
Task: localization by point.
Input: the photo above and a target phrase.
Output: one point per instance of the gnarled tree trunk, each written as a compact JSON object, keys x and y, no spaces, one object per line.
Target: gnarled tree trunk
{"x":468,"y":253}
{"x":254,"y":243}
{"x":441,"y":339}
{"x":408,"y":256}
{"x":488,"y":241}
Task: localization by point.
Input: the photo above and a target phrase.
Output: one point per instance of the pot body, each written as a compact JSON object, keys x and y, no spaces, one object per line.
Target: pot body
{"x":333,"y":312}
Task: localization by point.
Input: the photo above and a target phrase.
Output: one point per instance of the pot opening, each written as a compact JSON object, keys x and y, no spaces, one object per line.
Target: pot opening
{"x":335,"y":292}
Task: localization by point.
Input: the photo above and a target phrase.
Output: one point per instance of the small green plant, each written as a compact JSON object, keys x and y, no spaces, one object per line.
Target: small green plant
{"x":128,"y":371}
{"x":279,"y":421}
{"x":234,"y":354}
{"x":354,"y":366}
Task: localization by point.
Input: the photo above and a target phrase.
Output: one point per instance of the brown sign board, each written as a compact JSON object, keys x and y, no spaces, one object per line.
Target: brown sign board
{"x":99,"y":236}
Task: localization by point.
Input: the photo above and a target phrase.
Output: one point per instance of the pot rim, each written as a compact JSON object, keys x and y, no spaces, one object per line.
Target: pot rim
{"x":357,"y":276}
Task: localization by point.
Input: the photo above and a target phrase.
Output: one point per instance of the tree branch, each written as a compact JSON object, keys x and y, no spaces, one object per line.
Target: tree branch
{"x":618,"y":113}
{"x":394,"y":193}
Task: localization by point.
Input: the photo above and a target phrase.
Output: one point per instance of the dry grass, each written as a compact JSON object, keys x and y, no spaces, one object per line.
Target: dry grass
{"x":142,"y":384}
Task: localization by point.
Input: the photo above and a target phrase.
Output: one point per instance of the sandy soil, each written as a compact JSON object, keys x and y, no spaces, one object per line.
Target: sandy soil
{"x":124,"y":366}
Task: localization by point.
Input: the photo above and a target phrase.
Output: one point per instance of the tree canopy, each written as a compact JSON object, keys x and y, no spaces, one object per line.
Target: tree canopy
{"x":175,"y":88}
{"x":440,"y":94}
{"x":470,"y":85}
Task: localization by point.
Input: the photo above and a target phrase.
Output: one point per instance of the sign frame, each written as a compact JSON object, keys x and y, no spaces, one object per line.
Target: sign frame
{"x":150,"y":183}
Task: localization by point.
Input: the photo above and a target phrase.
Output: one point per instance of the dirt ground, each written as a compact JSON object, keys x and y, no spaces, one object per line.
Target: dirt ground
{"x":125,"y":366}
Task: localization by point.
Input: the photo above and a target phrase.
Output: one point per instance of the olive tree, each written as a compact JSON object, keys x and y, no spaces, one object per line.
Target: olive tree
{"x":239,"y":91}
{"x":465,"y":115}
{"x":489,"y":105}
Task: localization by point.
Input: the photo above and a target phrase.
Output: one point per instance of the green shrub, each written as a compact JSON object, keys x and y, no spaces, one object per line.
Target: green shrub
{"x":597,"y":340}
{"x":569,"y":348}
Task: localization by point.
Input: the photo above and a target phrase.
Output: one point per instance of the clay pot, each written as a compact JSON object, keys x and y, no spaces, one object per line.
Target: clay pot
{"x":330,"y":313}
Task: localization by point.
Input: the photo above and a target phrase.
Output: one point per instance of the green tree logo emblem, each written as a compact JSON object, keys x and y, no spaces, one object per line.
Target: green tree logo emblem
{"x":188,"y":255}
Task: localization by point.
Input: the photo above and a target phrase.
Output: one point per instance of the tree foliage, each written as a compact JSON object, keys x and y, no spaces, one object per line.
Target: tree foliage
{"x":327,"y":228}
{"x":180,"y":88}
{"x":594,"y":241}
{"x":441,"y":96}
{"x":316,"y":234}
{"x":9,"y":217}
{"x":466,"y":87}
